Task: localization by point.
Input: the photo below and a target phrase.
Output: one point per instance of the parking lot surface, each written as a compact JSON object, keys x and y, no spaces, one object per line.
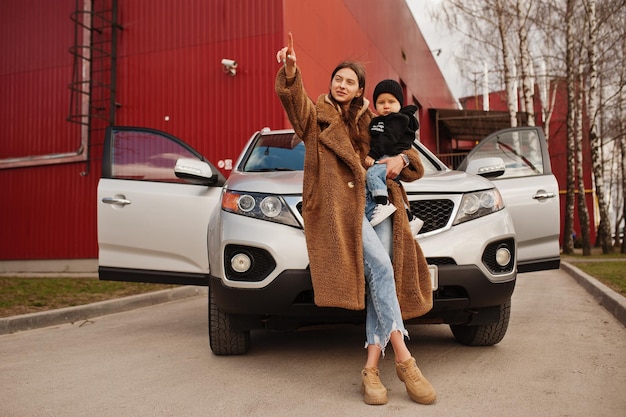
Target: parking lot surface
{"x":564,"y":355}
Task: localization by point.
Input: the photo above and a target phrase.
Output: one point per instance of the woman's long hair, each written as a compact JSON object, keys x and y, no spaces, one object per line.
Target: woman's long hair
{"x":350,"y":117}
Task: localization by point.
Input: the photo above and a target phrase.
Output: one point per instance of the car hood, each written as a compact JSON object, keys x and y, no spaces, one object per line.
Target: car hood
{"x":278,"y":182}
{"x":290,"y":182}
{"x":448,"y":182}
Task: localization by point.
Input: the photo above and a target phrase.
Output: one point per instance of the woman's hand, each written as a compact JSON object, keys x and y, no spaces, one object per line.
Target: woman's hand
{"x":395,"y":164}
{"x":369,"y":161}
{"x":287,"y":56}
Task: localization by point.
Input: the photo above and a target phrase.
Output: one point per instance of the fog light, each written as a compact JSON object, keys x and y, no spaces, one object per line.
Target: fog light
{"x":240,"y":262}
{"x":503,"y":256}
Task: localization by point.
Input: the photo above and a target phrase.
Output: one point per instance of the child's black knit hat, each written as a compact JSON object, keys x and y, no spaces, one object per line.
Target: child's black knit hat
{"x":389,"y":86}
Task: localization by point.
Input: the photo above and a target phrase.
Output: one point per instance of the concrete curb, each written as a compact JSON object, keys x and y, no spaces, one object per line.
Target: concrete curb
{"x":609,"y":299}
{"x":102,"y":308}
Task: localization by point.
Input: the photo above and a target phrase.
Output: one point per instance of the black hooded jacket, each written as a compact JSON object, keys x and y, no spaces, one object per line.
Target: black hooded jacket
{"x":393,"y":133}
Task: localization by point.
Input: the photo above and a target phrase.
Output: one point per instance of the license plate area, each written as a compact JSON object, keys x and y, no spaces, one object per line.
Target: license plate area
{"x":434,"y":276}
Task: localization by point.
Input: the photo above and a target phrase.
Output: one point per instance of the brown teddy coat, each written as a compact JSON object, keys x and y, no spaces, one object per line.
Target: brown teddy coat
{"x":333,"y":198}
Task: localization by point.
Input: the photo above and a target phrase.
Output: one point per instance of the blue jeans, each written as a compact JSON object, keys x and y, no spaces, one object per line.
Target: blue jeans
{"x":376,"y":185}
{"x":383,"y":314}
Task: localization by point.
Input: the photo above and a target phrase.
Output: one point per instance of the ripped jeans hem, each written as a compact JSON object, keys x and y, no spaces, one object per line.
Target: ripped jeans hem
{"x":404,"y":332}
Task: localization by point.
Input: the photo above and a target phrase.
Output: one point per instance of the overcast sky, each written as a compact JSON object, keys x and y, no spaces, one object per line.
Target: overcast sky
{"x":438,"y":37}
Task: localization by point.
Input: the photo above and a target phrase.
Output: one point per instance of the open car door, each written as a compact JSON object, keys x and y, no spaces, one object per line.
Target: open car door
{"x":516,"y":160}
{"x":155,"y":197}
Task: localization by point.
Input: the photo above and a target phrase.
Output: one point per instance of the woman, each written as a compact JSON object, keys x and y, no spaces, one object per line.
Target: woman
{"x":335,"y":132}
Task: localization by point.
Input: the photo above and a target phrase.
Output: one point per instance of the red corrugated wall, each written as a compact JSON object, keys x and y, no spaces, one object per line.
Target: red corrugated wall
{"x":382,"y":35}
{"x":169,"y":66}
{"x":46,"y":211}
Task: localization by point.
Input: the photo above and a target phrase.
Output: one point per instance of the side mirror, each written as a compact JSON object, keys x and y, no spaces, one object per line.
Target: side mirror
{"x":195,"y":171}
{"x":486,"y":167}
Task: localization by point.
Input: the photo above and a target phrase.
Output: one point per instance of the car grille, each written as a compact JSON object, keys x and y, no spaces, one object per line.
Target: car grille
{"x":435,"y":213}
{"x":262,"y":263}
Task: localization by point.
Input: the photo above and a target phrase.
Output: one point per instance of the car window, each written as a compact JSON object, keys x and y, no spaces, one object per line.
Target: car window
{"x":285,"y":152}
{"x":430,"y":162}
{"x":275,"y":152}
{"x":148,"y":156}
{"x":520,"y":151}
{"x":429,"y":165}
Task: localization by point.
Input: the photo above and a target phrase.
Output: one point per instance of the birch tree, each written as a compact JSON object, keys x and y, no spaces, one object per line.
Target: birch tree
{"x":583,"y":211}
{"x":568,"y":226}
{"x":595,"y":140}
{"x":549,"y":24}
{"x":623,"y":150}
{"x":621,"y":134}
{"x":581,"y":43}
{"x":522,"y":9}
{"x":620,"y":217}
{"x":508,"y":63}
{"x":478,"y":20}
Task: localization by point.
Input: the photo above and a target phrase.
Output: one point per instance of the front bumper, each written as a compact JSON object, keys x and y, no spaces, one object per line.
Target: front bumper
{"x":463,"y":292}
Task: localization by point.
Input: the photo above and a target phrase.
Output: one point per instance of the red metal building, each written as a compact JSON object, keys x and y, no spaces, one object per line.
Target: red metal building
{"x":69,"y":68}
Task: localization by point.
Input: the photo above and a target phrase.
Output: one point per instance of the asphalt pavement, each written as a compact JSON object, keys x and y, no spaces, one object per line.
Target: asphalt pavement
{"x":609,"y":299}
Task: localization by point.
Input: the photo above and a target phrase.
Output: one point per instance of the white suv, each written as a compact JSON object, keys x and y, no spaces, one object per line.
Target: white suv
{"x":165,"y":214}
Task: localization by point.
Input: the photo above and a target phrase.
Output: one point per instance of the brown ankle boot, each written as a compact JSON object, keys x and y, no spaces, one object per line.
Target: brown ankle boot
{"x":417,"y":385}
{"x":374,"y":392}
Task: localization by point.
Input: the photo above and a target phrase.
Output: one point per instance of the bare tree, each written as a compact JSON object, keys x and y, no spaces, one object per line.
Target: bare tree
{"x":579,"y":43}
{"x":547,"y":95}
{"x":583,"y":211}
{"x":620,"y":207}
{"x":548,"y":23}
{"x":621,"y":136}
{"x":522,"y":10}
{"x":623,"y":150}
{"x":595,"y":140}
{"x":478,"y":20}
{"x":568,"y":228}
{"x":508,"y":62}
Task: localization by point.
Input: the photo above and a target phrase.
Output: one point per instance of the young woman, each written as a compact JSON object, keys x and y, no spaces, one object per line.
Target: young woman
{"x":335,"y":132}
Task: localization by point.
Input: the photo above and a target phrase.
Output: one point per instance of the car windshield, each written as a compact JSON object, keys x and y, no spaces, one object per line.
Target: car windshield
{"x":429,"y":161}
{"x":275,"y":152}
{"x":285,"y":152}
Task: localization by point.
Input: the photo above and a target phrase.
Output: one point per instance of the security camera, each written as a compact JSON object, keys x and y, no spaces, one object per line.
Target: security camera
{"x":230,"y":66}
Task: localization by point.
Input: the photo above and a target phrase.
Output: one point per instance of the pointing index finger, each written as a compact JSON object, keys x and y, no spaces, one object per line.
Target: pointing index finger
{"x":289,"y":43}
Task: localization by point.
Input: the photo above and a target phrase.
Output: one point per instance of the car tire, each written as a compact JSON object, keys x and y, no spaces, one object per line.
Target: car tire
{"x":223,"y":339}
{"x":485,"y":334}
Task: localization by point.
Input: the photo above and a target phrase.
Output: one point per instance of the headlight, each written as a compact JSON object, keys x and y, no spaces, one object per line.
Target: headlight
{"x":259,"y":206}
{"x":478,"y":204}
{"x":246,"y":203}
{"x":271,"y":206}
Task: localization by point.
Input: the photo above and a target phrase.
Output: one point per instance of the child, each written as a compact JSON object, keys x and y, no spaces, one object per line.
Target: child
{"x":392,"y":132}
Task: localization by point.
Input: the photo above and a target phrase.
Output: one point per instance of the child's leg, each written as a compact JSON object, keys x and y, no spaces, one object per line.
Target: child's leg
{"x":376,"y":181}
